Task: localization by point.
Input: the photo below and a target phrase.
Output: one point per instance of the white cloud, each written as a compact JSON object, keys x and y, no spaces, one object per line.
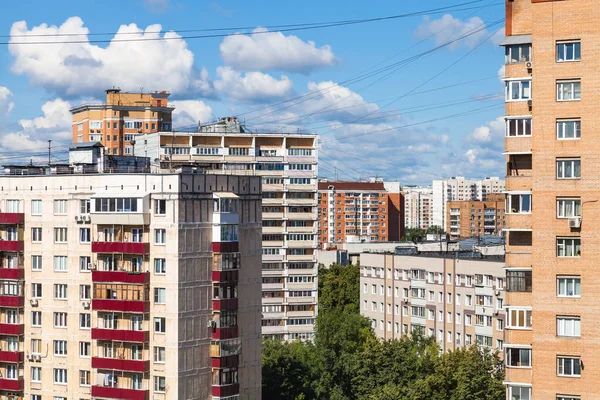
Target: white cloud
{"x":448,"y":28}
{"x":501,"y":73}
{"x":6,"y":105}
{"x":274,"y":50}
{"x":86,"y":69}
{"x":156,"y":6}
{"x":252,"y":86}
{"x":490,"y":134}
{"x":56,"y":115}
{"x":190,"y":112}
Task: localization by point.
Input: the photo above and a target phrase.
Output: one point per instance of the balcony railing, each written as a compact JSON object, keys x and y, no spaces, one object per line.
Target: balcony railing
{"x":225,"y":362}
{"x":12,"y":356}
{"x":11,"y":245}
{"x":121,"y":335}
{"x":12,"y":384}
{"x":12,"y":273}
{"x":121,"y":247}
{"x":119,"y":393}
{"x":12,"y":301}
{"x":225,"y":333}
{"x":226,"y":390}
{"x":121,"y":364}
{"x":7,"y":218}
{"x":135,"y":306}
{"x":12,"y":329}
{"x":119,"y":276}
{"x":224,"y":304}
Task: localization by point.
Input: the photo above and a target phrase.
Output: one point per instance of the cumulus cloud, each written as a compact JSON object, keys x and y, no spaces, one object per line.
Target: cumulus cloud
{"x":274,"y":50}
{"x":190,"y":112}
{"x":491,"y":134}
{"x":252,"y":87}
{"x":85,"y":68}
{"x":56,"y":115}
{"x":447,"y":28}
{"x":6,"y":105}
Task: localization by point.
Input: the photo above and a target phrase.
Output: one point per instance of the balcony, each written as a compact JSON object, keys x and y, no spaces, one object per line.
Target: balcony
{"x":12,"y":384}
{"x":12,"y":273}
{"x":121,"y":364}
{"x":121,"y":247}
{"x":120,"y":335}
{"x":12,"y":301}
{"x":12,"y":329}
{"x":225,"y":276}
{"x":225,"y":361}
{"x":227,"y":390}
{"x":225,"y":304}
{"x":119,"y":276}
{"x":134,"y":306}
{"x":11,"y":245}
{"x":11,"y":218}
{"x":12,"y":356}
{"x":225,"y":247}
{"x":225,"y":333}
{"x":119,"y":393}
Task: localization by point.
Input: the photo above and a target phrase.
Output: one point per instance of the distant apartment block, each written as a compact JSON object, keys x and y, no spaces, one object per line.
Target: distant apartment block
{"x":354,"y":212}
{"x":287,"y":165}
{"x":129,"y":285}
{"x":461,"y":189}
{"x":465,"y":219}
{"x":118,"y":121}
{"x":459,"y":301}
{"x":418,"y":207}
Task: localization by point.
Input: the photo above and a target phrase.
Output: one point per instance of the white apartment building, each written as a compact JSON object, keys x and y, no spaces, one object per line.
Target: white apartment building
{"x":287,"y":164}
{"x":418,"y":210}
{"x":460,"y":189}
{"x":129,"y":286}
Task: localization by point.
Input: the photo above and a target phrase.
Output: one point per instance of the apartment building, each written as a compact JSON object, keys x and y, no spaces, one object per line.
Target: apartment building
{"x":354,"y":212}
{"x":465,"y":219}
{"x":129,"y":286}
{"x":551,"y":152}
{"x":287,"y":164}
{"x":460,"y":189}
{"x":116,"y":123}
{"x":418,"y":207}
{"x":456,"y":298}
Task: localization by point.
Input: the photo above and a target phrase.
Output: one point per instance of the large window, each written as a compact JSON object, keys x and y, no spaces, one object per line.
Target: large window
{"x":568,"y":168}
{"x":518,"y":281}
{"x":519,"y":318}
{"x":568,"y":90}
{"x":568,"y":247}
{"x":516,"y":357}
{"x":568,"y":366}
{"x":518,"y":127}
{"x":229,"y":233}
{"x":519,"y":203}
{"x":568,"y":286}
{"x":568,"y":208}
{"x":568,"y":326}
{"x":568,"y":129}
{"x":518,"y":53}
{"x":519,"y":392}
{"x":568,"y":51}
{"x":518,"y":90}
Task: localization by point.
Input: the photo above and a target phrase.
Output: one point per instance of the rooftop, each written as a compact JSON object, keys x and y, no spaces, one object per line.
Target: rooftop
{"x":341,"y":185}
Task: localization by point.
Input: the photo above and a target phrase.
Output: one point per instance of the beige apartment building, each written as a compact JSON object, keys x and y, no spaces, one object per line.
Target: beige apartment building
{"x":457,"y":299}
{"x":117,"y":122}
{"x":466,"y":219}
{"x":551,"y":86}
{"x":418,"y":207}
{"x":287,"y":165}
{"x":129,"y":286}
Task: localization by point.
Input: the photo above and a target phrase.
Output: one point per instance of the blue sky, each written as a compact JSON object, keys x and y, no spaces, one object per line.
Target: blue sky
{"x":434,"y":117}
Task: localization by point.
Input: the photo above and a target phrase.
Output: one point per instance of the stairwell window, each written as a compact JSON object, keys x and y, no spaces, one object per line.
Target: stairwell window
{"x":568,"y":129}
{"x":568,"y":90}
{"x":517,"y":90}
{"x":568,"y":51}
{"x":568,"y":168}
{"x":568,"y":247}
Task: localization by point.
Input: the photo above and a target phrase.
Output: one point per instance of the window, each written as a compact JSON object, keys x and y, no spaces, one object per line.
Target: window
{"x":468,"y":319}
{"x":36,"y":374}
{"x":519,"y":203}
{"x":519,"y":318}
{"x":95,"y":124}
{"x":568,"y":286}
{"x":518,"y":53}
{"x":160,"y":266}
{"x":136,"y":322}
{"x":36,"y":235}
{"x":568,"y":129}
{"x":60,"y":347}
{"x":568,"y":168}
{"x":160,"y":236}
{"x":160,"y":384}
{"x":568,"y":51}
{"x":160,"y":296}
{"x":568,"y":366}
{"x":60,"y":376}
{"x":516,"y":357}
{"x":568,"y":90}
{"x":568,"y":208}
{"x":60,"y":235}
{"x":60,"y":207}
{"x":36,"y":318}
{"x":159,"y":325}
{"x":116,"y":204}
{"x":85,"y":321}
{"x":60,"y":319}
{"x":518,"y":281}
{"x":36,"y":263}
{"x":36,"y":290}
{"x":160,"y":207}
{"x":85,"y":263}
{"x":229,"y":233}
{"x":568,"y":247}
{"x":517,"y":90}
{"x":136,"y":352}
{"x":568,"y":326}
{"x":84,"y":235}
{"x":12,"y":206}
{"x":518,"y":127}
{"x":60,"y":292}
{"x":84,"y":378}
{"x":36,"y":207}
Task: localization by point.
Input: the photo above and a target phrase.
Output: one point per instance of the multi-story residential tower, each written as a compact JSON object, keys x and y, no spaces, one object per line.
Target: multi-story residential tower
{"x":360,"y":212}
{"x":551,"y":145}
{"x":287,"y":163}
{"x":458,"y":300}
{"x":418,"y":207}
{"x":116,"y":123}
{"x":465,"y":219}
{"x":129,"y":286}
{"x":460,"y":189}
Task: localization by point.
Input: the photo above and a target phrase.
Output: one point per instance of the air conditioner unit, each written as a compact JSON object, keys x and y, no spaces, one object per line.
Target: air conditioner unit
{"x":528,"y":65}
{"x":211,"y":324}
{"x":405,"y":301}
{"x":91,"y":267}
{"x":139,"y":131}
{"x":497,"y":293}
{"x":78,"y":218}
{"x":529,"y":103}
{"x":33,"y":302}
{"x":87,"y":218}
{"x":85,"y":304}
{"x":575,"y":223}
{"x":37,"y":357}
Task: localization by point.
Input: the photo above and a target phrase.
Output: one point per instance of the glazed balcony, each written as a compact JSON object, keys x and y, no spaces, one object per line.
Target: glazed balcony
{"x":11,"y":245}
{"x":225,"y":332}
{"x":120,"y":276}
{"x":225,"y":247}
{"x":12,"y":356}
{"x":134,"y":306}
{"x":12,"y":329}
{"x":226,"y":390}
{"x":12,"y":384}
{"x":225,"y":361}
{"x":12,"y":301}
{"x":120,"y":335}
{"x":121,"y":364}
{"x":224,"y":304}
{"x":108,"y":392}
{"x":121,"y":247}
{"x":225,"y":276}
{"x":7,"y":218}
{"x":12,"y":273}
